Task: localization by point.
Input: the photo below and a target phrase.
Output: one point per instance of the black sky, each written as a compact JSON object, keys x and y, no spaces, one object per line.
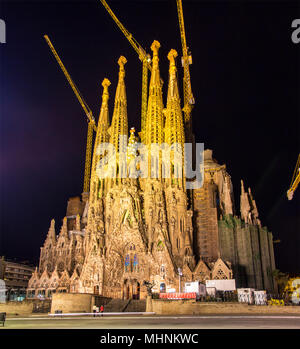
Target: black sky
{"x":245,"y":79}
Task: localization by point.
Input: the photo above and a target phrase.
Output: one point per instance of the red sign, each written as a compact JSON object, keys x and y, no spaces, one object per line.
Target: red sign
{"x":174,"y":295}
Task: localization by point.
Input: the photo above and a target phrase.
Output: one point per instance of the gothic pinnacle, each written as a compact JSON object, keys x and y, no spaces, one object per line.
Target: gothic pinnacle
{"x":51,"y":232}
{"x":64,"y":227}
{"x":242,"y":187}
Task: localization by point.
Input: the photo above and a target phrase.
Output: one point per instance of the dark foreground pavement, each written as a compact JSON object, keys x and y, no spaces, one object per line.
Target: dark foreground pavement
{"x":158,"y":322}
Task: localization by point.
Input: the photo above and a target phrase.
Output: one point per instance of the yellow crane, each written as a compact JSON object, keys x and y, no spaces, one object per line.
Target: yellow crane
{"x":188,"y":98}
{"x":144,"y":58}
{"x":295,"y":180}
{"x":88,"y":113}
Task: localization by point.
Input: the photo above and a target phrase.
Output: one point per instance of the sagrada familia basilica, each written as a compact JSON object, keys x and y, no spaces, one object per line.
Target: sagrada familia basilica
{"x":128,"y":230}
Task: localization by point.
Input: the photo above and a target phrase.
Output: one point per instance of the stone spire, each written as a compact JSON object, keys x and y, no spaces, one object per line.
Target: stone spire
{"x":254,"y":207}
{"x":174,"y":131}
{"x":119,"y":124}
{"x":154,"y":119}
{"x":102,"y":136}
{"x":227,"y":200}
{"x":103,"y":122}
{"x":245,"y":205}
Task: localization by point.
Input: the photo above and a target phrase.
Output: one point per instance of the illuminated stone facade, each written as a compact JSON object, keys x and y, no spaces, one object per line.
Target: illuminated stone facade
{"x":130,"y":230}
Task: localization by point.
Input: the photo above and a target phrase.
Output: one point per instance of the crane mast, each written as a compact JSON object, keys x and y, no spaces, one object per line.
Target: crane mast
{"x":188,"y":97}
{"x":88,"y":113}
{"x":144,"y":58}
{"x":295,"y":180}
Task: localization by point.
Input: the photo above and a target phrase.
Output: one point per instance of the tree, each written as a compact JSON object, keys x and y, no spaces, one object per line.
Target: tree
{"x":281,"y":280}
{"x":149,"y":287}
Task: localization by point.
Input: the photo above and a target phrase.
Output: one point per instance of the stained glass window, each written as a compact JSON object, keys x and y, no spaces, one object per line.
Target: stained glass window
{"x":135,"y":262}
{"x":127,"y":262}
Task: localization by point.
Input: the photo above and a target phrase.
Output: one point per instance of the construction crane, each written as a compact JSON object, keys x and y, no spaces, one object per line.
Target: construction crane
{"x":88,"y":113}
{"x":295,"y":180}
{"x":144,"y":58}
{"x":188,"y":98}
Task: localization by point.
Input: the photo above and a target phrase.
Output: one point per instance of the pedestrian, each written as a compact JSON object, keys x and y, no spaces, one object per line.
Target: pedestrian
{"x":101,"y":310}
{"x":94,"y":310}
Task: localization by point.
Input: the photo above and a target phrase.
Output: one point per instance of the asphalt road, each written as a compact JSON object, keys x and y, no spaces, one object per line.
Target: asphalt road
{"x":158,"y":322}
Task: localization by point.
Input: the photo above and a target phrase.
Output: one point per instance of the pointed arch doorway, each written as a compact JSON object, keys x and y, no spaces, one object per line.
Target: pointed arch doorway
{"x":136,"y":288}
{"x":131,"y":289}
{"x":126,"y":289}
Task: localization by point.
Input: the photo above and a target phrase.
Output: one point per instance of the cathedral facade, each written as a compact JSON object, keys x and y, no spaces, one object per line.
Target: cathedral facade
{"x":130,"y":229}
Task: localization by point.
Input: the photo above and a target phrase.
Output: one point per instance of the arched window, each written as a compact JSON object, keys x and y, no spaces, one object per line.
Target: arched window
{"x":162,"y":287}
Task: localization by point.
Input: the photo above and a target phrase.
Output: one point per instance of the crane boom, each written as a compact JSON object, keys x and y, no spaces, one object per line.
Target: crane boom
{"x":82,"y":102}
{"x":137,"y":47}
{"x":144,"y":58}
{"x":181,"y":27}
{"x":188,"y":97}
{"x":88,"y":113}
{"x":295,"y":180}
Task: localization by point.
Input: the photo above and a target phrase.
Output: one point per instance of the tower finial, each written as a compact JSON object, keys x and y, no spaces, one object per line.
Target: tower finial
{"x":105,"y":83}
{"x":122,"y":61}
{"x":155,"y":47}
{"x":171,"y":57}
{"x":105,"y":96}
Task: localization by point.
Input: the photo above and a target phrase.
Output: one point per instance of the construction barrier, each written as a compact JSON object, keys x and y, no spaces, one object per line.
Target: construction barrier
{"x":174,"y":295}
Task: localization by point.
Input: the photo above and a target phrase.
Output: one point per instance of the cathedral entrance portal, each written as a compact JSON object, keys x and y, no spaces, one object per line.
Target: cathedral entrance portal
{"x":131,"y":289}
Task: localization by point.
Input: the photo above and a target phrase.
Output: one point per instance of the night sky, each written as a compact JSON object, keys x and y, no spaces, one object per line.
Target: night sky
{"x":245,"y":79}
